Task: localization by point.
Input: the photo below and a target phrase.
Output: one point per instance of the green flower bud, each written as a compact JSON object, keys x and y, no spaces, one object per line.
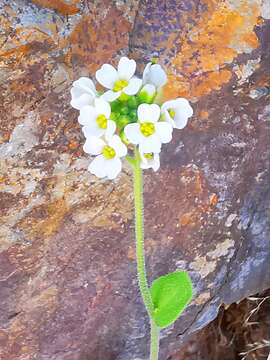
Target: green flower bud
{"x":133,"y":115}
{"x":154,"y":60}
{"x":147,"y":94}
{"x":115,"y":106}
{"x":124,"y":110}
{"x":123,"y":120}
{"x":132,"y":102}
{"x":114,"y":116}
{"x":123,"y":97}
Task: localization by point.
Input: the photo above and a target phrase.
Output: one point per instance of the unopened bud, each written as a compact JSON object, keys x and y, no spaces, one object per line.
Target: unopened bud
{"x":123,"y":120}
{"x":147,"y":94}
{"x":123,"y":97}
{"x":132,"y":102}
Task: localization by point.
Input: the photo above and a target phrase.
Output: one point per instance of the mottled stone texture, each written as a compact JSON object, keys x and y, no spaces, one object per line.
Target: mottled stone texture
{"x":68,"y":287}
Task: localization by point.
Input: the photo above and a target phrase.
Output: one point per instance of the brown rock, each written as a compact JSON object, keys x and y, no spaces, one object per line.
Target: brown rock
{"x":68,"y":281}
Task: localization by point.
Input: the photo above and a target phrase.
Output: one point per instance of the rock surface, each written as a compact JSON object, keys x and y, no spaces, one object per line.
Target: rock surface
{"x":68,"y":287}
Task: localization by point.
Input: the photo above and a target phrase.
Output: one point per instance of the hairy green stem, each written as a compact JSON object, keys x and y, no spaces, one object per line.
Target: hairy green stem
{"x":154,"y":341}
{"x":139,"y":229}
{"x":141,"y":271}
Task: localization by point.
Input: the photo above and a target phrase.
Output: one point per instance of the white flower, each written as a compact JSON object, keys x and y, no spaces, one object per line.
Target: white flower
{"x":149,"y":133}
{"x":120,"y":80}
{"x":83,"y":92}
{"x":108,"y":151}
{"x":96,"y":119}
{"x":176,"y":112}
{"x":150,"y":160}
{"x":154,"y":75}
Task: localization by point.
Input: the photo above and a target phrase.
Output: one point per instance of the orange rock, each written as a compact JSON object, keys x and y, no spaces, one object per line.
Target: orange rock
{"x":60,"y":6}
{"x":219,"y":36}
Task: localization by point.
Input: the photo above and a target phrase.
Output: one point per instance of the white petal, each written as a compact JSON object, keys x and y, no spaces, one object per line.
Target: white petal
{"x":88,"y":115}
{"x":97,"y":166}
{"x":180,"y":121}
{"x":81,"y":101}
{"x":76,"y":92}
{"x":107,"y":76}
{"x":103,"y":107}
{"x":182,"y":114}
{"x":85,"y":84}
{"x":184,"y":106}
{"x":148,"y":113}
{"x":156,"y":162}
{"x":168,"y":105}
{"x":133,"y":87}
{"x":150,"y":144}
{"x":92,"y":129}
{"x":116,"y":143}
{"x":111,"y":127}
{"x":145,"y":165}
{"x":110,"y":95}
{"x":126,"y":68}
{"x":146,"y":73}
{"x":93,"y":145}
{"x":133,"y":133}
{"x":157,"y":75}
{"x":112,"y":167}
{"x":164,"y":131}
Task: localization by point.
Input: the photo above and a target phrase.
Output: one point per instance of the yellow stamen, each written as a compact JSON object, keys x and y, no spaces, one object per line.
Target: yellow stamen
{"x":147,"y":128}
{"x":120,"y":85}
{"x":172,"y":113}
{"x":102,"y":121}
{"x":149,"y":156}
{"x":108,"y":152}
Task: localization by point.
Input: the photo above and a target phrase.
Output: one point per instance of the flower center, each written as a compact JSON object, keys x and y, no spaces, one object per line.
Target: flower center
{"x":108,"y":152}
{"x":149,"y":156}
{"x":172,"y":113}
{"x":120,"y":85}
{"x":147,"y":128}
{"x":102,"y":121}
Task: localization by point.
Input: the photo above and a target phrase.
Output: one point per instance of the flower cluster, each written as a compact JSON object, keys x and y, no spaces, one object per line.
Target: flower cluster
{"x":126,"y":115}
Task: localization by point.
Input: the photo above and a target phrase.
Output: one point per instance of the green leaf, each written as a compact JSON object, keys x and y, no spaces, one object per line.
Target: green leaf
{"x":170,"y":293}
